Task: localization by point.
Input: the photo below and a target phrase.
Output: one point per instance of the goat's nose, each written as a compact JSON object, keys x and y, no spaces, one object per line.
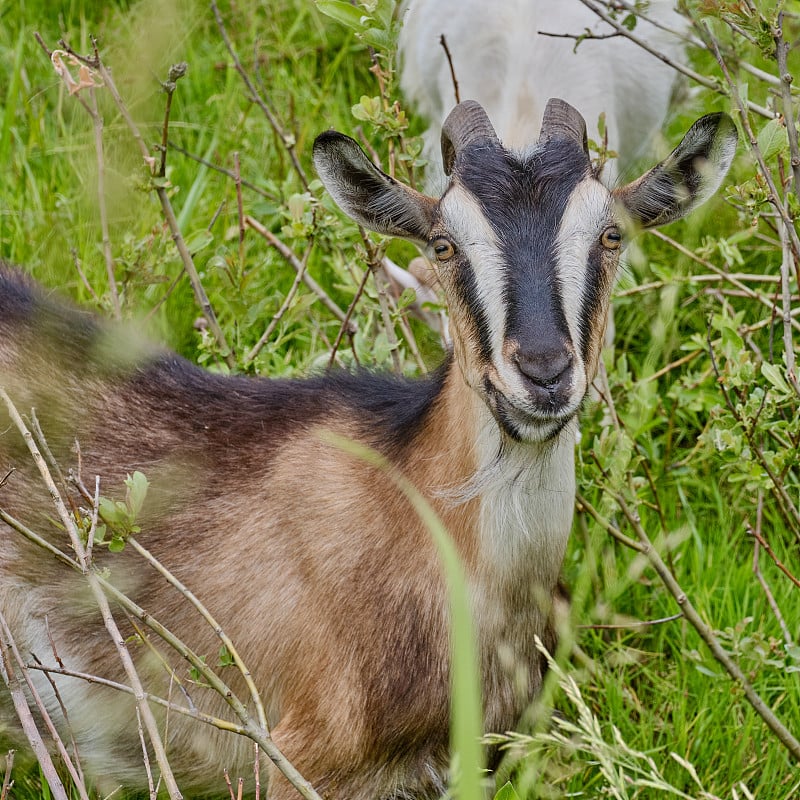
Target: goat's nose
{"x":546,"y":371}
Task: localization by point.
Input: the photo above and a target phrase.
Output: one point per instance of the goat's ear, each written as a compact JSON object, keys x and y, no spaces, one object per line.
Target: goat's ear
{"x":686,"y":178}
{"x":367,"y":195}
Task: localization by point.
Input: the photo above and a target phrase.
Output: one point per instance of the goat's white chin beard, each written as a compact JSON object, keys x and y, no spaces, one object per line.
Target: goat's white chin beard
{"x":524,"y":426}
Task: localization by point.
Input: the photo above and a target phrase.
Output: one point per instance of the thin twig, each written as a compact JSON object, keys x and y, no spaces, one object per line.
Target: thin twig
{"x":344,"y":327}
{"x":790,"y":512}
{"x":191,"y":713}
{"x":228,"y":173}
{"x":771,"y":553}
{"x":86,"y":80}
{"x":706,"y":634}
{"x":682,"y":68}
{"x":773,"y":603}
{"x":237,"y":181}
{"x":278,"y":315}
{"x":375,"y":264}
{"x":786,"y":78}
{"x":297,"y":264}
{"x":786,"y":296}
{"x":84,"y":280}
{"x":108,"y":256}
{"x":752,"y":140}
{"x":443,"y":43}
{"x":639,"y":623}
{"x":166,"y":205}
{"x":151,"y":789}
{"x":7,"y":782}
{"x":12,"y":652}
{"x":14,"y":685}
{"x":95,"y":582}
{"x":726,"y":276}
{"x":176,"y":72}
{"x":582,"y":504}
{"x":213,"y":624}
{"x":57,"y":694}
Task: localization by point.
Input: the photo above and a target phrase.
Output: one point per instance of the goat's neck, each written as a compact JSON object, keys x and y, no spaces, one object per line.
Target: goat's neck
{"x":508,"y":505}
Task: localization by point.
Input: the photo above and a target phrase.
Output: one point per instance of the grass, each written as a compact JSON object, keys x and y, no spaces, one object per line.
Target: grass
{"x":653,"y":689}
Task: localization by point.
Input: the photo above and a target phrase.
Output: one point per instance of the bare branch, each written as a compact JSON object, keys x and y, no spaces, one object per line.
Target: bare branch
{"x":344,"y":327}
{"x":443,"y":43}
{"x":297,"y":264}
{"x":682,"y":68}
{"x":706,"y":633}
{"x":786,"y":79}
{"x":13,"y":683}
{"x":7,"y":782}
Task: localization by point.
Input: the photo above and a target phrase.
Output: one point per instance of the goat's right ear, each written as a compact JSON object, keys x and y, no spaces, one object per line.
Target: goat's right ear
{"x":370,"y":197}
{"x":686,"y":178}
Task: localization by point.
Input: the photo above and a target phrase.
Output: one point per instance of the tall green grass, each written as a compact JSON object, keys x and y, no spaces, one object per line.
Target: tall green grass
{"x":646,"y":693}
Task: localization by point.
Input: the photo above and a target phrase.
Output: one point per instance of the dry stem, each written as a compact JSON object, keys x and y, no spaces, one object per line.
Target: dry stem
{"x":682,"y":68}
{"x":7,"y":782}
{"x":14,"y":685}
{"x":706,"y":634}
{"x":297,"y":264}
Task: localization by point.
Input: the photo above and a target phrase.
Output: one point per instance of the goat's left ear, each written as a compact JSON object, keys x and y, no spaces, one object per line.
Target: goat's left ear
{"x":370,"y":197}
{"x":686,"y":178}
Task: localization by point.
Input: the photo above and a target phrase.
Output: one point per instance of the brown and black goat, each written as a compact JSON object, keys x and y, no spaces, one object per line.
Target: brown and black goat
{"x":311,"y":559}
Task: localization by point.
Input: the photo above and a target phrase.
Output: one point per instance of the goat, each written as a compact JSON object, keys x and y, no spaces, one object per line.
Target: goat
{"x":311,"y":559}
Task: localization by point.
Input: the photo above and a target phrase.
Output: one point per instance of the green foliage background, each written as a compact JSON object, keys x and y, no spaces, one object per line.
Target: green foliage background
{"x":700,"y":471}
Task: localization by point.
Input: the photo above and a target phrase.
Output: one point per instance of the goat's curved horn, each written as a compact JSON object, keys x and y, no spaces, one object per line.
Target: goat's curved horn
{"x":561,"y":119}
{"x":465,"y":124}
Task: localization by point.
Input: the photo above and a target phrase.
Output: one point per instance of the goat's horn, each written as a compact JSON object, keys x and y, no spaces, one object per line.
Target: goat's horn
{"x":561,"y":119}
{"x":465,"y":124}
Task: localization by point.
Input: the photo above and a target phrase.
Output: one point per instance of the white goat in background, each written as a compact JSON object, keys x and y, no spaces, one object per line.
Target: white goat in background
{"x":502,"y":59}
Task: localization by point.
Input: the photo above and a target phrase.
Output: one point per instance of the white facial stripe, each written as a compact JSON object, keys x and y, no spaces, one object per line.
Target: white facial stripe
{"x":585,"y":217}
{"x":466,"y":222}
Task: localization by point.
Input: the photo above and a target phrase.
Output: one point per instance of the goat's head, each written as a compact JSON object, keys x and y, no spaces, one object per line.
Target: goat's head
{"x":526,"y":245}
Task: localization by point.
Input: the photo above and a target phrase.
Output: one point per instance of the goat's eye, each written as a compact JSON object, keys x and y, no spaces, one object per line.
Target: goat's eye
{"x":443,"y":248}
{"x":611,"y":238}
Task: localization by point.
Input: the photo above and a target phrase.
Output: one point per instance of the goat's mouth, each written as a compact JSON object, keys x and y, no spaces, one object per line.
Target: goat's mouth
{"x":528,"y":422}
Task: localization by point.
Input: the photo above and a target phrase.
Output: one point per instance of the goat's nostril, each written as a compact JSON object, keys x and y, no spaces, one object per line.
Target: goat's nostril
{"x":546,"y":369}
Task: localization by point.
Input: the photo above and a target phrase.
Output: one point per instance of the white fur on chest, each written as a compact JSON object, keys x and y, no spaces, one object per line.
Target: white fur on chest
{"x":527,"y":497}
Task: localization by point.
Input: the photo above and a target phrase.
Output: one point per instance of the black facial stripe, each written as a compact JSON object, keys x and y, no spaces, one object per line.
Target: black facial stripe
{"x":469,"y":297}
{"x":523,"y":199}
{"x":594,"y":288}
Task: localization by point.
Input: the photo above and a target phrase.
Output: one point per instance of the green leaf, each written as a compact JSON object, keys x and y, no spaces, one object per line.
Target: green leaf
{"x":773,"y":139}
{"x":116,"y":545}
{"x":137,"y":491}
{"x":195,"y":242}
{"x":774,"y":375}
{"x":368,"y":109}
{"x":111,"y":512}
{"x":225,"y":657}
{"x":407,"y":297}
{"x":343,"y":12}
{"x":506,"y":792}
